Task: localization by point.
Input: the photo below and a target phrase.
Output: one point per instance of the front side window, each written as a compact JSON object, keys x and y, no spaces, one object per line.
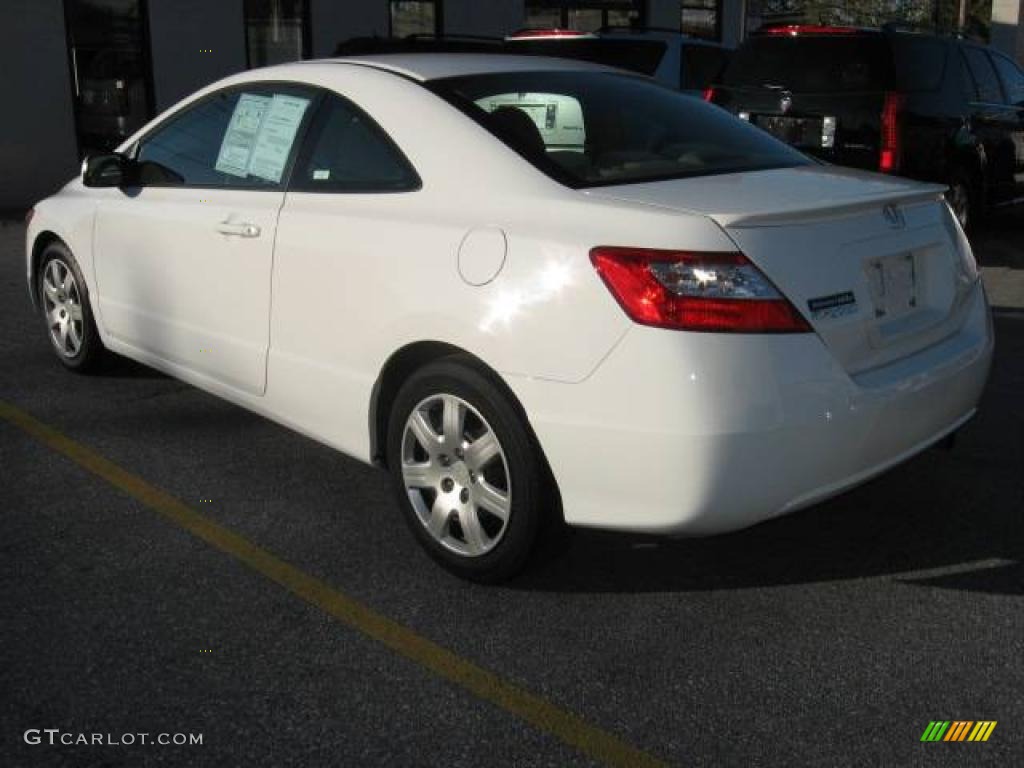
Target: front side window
{"x":242,"y":137}
{"x":989,"y":90}
{"x":348,"y":152}
{"x":594,"y":128}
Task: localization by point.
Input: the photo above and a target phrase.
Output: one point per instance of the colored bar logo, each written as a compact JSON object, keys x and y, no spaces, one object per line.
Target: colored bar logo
{"x":958,"y":730}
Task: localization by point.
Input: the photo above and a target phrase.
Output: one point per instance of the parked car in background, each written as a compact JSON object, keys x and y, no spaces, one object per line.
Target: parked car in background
{"x":927,"y":107}
{"x":685,"y":63}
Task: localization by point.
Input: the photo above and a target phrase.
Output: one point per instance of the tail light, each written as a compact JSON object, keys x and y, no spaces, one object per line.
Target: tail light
{"x":892,"y":116}
{"x":709,"y":93}
{"x":793,"y":30}
{"x":29,"y":214}
{"x":720,"y":292}
{"x":527,"y":34}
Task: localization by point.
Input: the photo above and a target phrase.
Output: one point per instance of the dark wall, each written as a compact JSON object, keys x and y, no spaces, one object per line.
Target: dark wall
{"x":38,"y":150}
{"x":334,"y":21}
{"x":493,"y":18}
{"x":181,"y":31}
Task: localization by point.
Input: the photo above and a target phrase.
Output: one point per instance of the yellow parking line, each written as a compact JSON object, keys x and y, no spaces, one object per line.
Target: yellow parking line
{"x":538,"y":712}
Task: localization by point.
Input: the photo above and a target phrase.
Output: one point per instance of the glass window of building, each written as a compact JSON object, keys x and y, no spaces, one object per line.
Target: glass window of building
{"x":110,"y":77}
{"x":583,"y":15}
{"x":276,"y":31}
{"x":415,"y":17}
{"x":701,"y":18}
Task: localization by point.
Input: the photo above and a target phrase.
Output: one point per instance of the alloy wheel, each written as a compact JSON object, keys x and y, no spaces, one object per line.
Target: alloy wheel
{"x":456,"y":475}
{"x":62,"y":303}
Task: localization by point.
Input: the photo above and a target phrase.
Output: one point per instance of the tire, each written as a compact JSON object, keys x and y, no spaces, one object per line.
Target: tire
{"x":451,"y":500}
{"x":964,"y":199}
{"x":66,"y":311}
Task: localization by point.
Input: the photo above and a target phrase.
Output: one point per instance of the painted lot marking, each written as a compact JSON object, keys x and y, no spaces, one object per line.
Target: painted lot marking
{"x":538,"y":712}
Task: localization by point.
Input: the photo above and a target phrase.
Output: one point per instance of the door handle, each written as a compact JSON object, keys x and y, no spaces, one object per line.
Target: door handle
{"x":238,"y":229}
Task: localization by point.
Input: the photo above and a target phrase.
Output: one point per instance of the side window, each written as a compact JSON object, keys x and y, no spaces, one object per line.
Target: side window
{"x":702,"y":64}
{"x":1013,"y":79}
{"x":985,"y":78}
{"x":237,"y":138}
{"x":346,"y":151}
{"x":919,"y":62}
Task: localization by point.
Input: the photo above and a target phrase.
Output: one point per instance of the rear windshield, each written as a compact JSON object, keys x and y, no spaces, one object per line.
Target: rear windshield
{"x":812,"y":64}
{"x":643,"y":56}
{"x":597,"y":128}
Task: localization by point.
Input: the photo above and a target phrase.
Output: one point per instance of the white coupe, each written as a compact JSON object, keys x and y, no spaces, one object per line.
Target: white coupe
{"x":537,"y":291}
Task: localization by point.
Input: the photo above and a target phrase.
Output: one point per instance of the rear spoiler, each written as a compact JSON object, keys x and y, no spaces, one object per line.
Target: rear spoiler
{"x":918,"y":195}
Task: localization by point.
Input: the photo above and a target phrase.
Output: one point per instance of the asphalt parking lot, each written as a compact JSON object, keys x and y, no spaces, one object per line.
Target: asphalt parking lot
{"x":830,"y":637}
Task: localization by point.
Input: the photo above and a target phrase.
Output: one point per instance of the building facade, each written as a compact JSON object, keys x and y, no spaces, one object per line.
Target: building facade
{"x":85,"y":73}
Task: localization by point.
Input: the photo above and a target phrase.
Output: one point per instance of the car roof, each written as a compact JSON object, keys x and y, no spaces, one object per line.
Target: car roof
{"x":433,"y":66}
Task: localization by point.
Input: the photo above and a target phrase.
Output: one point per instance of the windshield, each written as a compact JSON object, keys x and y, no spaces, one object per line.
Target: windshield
{"x":599,"y":128}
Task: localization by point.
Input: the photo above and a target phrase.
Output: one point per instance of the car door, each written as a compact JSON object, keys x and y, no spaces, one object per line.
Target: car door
{"x":1012,"y":78}
{"x":994,"y":123}
{"x":346,"y":228}
{"x":184,"y":254}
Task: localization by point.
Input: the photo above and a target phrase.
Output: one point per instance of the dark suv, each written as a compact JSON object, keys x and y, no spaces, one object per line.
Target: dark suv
{"x":932,"y":108}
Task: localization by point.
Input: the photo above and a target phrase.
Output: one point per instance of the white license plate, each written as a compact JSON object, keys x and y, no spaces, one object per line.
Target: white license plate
{"x":892,"y":281}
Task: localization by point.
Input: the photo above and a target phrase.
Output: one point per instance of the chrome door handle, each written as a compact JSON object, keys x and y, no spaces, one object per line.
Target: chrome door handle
{"x":238,"y":230}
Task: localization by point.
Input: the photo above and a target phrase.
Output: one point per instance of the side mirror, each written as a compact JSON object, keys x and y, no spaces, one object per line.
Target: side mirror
{"x":107,"y":170}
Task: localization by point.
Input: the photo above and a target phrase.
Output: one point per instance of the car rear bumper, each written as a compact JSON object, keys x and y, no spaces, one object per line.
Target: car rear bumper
{"x":692,"y":434}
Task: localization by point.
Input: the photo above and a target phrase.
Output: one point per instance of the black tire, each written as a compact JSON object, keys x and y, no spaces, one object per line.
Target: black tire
{"x":90,"y":352}
{"x":532,"y":504}
{"x":964,"y":198}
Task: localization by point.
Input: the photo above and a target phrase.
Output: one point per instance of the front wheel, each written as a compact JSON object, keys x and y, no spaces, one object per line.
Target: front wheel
{"x":467,"y":473}
{"x":64,"y":301}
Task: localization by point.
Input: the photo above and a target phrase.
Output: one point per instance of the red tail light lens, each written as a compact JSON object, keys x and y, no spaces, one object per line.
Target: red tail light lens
{"x":807,"y":29}
{"x":29,"y":214}
{"x":526,"y":34}
{"x":709,"y":94}
{"x":892,"y":115}
{"x":721,"y":292}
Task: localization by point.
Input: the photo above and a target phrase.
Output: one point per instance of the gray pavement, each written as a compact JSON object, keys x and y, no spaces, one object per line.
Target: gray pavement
{"x":830,"y":637}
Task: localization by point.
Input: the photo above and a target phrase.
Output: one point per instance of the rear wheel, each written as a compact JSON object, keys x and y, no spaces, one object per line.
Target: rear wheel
{"x":471,"y":484}
{"x":64,"y":301}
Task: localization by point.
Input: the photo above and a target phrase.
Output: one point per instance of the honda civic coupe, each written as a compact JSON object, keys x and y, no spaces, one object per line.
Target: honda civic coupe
{"x":539,"y":292}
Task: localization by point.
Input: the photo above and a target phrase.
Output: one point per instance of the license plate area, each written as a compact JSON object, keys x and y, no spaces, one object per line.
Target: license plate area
{"x":892,"y":284}
{"x":796,"y":131}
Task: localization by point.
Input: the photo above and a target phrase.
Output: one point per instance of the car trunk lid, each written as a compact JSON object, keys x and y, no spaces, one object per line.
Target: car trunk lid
{"x":872,"y":262}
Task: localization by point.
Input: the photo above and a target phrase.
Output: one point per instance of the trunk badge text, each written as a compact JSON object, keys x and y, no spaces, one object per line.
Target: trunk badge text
{"x":894,"y":216}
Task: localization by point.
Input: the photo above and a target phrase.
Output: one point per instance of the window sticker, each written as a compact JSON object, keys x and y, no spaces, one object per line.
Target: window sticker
{"x":240,"y":137}
{"x":321,"y":174}
{"x":276,"y":136}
